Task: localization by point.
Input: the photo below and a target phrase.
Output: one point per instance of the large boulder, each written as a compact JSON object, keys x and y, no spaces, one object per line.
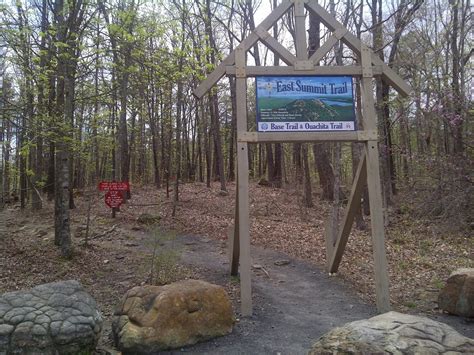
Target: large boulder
{"x":54,"y":318}
{"x":393,"y":333}
{"x":457,"y":297}
{"x":154,"y":318}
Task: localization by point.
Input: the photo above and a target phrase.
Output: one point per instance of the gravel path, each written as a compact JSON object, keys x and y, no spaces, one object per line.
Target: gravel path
{"x":294,"y":303}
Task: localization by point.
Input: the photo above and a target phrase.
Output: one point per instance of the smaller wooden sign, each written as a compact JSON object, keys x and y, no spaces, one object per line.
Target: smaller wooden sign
{"x":113,"y":198}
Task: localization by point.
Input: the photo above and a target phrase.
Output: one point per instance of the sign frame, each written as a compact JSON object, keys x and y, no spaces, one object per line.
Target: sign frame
{"x":307,"y":61}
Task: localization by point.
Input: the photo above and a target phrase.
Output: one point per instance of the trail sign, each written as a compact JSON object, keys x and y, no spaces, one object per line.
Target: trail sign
{"x":304,"y":103}
{"x":113,"y":198}
{"x":114,"y":186}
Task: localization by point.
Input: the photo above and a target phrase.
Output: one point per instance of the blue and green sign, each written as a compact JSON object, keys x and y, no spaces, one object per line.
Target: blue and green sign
{"x":305,"y":103}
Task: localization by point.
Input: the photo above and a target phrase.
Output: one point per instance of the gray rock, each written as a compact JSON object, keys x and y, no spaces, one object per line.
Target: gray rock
{"x":55,"y":318}
{"x":457,"y":296}
{"x":394,"y":333}
{"x":6,"y":329}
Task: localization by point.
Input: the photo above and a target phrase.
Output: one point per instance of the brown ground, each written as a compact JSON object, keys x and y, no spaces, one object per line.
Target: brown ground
{"x":419,"y":258}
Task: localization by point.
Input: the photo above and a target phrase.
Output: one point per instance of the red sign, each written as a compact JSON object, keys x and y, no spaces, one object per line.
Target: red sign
{"x":113,"y":198}
{"x":114,"y":186}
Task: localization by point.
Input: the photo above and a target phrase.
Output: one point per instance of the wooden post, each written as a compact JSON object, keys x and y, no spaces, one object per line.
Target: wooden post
{"x":300,"y":31}
{"x":234,"y":240}
{"x":377,"y":226}
{"x":235,"y":64}
{"x":243,"y":184}
{"x":373,"y":182}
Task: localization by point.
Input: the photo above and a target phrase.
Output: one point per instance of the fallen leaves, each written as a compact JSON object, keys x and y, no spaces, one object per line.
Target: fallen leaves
{"x":418,"y":258}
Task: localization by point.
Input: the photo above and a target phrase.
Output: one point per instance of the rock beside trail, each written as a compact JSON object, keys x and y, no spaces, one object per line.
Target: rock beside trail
{"x":457,"y":297}
{"x":54,"y":318}
{"x":223,"y":193}
{"x":394,"y":333}
{"x":146,"y":218}
{"x":154,"y":318}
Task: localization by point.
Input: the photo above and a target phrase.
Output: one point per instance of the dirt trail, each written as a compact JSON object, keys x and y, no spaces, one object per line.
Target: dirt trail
{"x":294,"y":304}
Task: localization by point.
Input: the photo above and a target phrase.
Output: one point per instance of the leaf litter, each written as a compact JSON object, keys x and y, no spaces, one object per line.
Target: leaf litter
{"x":117,"y":258}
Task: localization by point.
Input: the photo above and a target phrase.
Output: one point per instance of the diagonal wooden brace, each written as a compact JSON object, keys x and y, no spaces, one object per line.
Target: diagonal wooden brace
{"x":354,"y":202}
{"x":275,"y":46}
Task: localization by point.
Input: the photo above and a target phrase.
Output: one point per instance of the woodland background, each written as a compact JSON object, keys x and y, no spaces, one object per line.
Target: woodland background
{"x":102,"y":90}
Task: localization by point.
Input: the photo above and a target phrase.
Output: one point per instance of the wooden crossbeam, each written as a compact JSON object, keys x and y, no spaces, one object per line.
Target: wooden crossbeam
{"x":388,"y":74}
{"x":350,"y":70}
{"x":283,"y":53}
{"x":246,"y":44}
{"x":325,"y":17}
{"x":213,"y":77}
{"x":354,"y":43}
{"x":328,"y":45}
{"x":285,"y":137}
{"x":324,"y":49}
{"x":360,"y":179}
{"x":391,"y":77}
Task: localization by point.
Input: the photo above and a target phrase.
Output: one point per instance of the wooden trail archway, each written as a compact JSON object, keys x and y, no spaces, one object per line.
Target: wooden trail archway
{"x":235,"y":64}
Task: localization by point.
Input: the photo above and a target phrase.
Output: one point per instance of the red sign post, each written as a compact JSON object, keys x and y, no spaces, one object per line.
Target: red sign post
{"x":114,"y":195}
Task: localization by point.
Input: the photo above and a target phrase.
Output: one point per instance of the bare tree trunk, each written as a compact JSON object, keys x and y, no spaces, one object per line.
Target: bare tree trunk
{"x":122,"y":129}
{"x":457,"y":124}
{"x":270,"y":162}
{"x":381,"y":92}
{"x":95,"y":137}
{"x":62,"y":235}
{"x":324,"y":170}
{"x":6,"y":137}
{"x":320,"y":150}
{"x":214,"y":109}
{"x":69,"y":89}
{"x":50,"y":182}
{"x":179,"y":113}
{"x":404,"y":142}
{"x":298,"y":163}
{"x":154,"y":134}
{"x":308,"y":193}
{"x":27,"y":112}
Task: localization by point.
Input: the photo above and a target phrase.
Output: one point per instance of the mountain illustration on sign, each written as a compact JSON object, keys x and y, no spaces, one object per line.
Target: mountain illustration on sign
{"x":315,"y":109}
{"x":311,"y":109}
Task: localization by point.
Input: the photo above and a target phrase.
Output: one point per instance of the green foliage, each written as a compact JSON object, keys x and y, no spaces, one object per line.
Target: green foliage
{"x":438,"y":284}
{"x":164,"y":267}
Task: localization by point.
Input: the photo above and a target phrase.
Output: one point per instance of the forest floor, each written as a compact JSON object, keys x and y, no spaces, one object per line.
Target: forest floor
{"x":120,"y":253}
